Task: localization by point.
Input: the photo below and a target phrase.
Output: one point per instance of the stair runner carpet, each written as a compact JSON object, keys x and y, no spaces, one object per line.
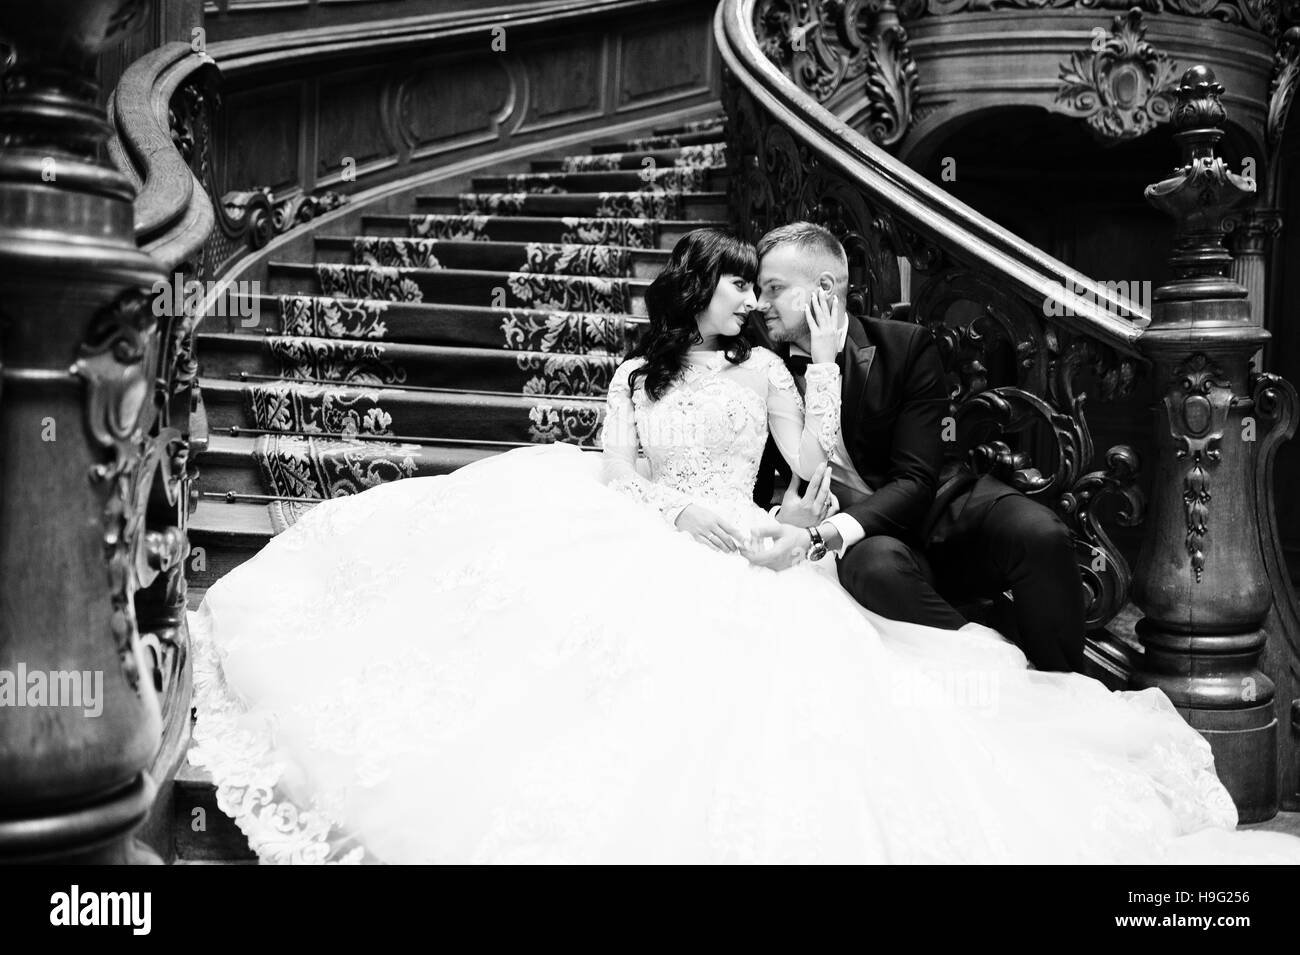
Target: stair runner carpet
{"x":443,"y":337}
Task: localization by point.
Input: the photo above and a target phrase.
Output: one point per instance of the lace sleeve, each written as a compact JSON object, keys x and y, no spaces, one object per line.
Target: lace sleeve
{"x":805,"y":429}
{"x":619,"y":444}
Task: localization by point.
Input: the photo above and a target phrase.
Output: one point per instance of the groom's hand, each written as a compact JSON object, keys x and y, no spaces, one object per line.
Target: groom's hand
{"x":813,"y":505}
{"x":789,"y":546}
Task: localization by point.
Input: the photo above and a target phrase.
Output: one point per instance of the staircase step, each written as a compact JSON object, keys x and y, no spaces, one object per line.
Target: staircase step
{"x":400,"y":414}
{"x":604,"y":230}
{"x":639,"y":205}
{"x":429,"y":323}
{"x":371,"y":364}
{"x":204,"y":834}
{"x":222,"y":536}
{"x":662,"y":141}
{"x":608,"y":261}
{"x":678,"y":178}
{"x":709,"y":154}
{"x":321,"y":467}
{"x":461,"y":287}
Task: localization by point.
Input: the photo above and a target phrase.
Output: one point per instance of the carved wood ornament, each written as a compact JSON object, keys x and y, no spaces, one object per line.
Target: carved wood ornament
{"x":1123,"y":87}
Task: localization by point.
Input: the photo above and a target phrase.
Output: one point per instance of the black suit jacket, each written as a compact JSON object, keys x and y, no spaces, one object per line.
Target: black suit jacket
{"x":894,"y":400}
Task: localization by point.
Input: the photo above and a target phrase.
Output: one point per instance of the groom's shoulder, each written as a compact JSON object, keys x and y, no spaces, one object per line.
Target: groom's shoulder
{"x":892,"y":332}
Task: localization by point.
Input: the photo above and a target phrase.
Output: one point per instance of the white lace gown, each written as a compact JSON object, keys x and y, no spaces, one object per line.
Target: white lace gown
{"x":524,"y":662}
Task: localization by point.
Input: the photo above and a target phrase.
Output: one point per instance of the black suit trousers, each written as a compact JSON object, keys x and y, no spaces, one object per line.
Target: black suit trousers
{"x":992,"y":539}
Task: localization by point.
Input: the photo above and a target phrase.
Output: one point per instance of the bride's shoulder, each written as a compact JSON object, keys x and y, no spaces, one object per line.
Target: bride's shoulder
{"x":762,"y":358}
{"x":768,"y":362}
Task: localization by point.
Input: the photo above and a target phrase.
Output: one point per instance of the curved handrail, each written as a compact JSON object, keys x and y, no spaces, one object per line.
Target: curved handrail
{"x":173,"y":214}
{"x":1094,"y":310}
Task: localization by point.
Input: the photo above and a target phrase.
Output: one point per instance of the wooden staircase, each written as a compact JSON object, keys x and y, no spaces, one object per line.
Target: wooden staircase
{"x":480,"y":322}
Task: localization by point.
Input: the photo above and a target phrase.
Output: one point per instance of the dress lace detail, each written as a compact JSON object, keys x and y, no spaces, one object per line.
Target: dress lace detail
{"x":703,"y":440}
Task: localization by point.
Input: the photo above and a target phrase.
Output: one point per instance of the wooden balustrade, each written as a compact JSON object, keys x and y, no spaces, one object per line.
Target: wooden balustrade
{"x":1026,"y":339}
{"x":86,"y":451}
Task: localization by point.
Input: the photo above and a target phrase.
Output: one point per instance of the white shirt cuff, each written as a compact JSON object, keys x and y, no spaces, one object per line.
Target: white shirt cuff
{"x":850,"y":531}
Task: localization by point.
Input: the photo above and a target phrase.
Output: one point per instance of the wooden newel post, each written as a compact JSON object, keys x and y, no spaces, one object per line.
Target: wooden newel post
{"x":79,"y":717}
{"x":1200,"y":580}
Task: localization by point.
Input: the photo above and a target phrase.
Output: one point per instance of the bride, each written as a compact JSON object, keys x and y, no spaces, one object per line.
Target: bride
{"x":559,"y":656}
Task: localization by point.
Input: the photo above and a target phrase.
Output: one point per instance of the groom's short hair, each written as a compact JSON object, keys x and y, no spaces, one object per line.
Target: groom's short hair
{"x":820,"y":244}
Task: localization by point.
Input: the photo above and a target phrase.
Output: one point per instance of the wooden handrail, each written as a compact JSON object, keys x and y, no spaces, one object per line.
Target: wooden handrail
{"x":907,"y":195}
{"x":173,"y":214}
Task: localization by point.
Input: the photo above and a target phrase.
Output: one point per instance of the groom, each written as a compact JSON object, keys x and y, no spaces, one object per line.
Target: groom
{"x":911,"y":530}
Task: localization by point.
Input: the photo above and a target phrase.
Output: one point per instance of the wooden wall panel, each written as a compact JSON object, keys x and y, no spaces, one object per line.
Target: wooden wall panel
{"x":273,"y":156}
{"x":666,"y":62}
{"x":351,"y":123}
{"x":565,"y":82}
{"x":445,"y":105}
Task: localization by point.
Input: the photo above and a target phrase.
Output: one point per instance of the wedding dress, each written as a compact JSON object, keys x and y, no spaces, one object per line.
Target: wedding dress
{"x":523,"y":661}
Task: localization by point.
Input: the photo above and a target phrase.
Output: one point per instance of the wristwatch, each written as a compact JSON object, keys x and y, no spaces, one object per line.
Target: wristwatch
{"x":818,"y":548}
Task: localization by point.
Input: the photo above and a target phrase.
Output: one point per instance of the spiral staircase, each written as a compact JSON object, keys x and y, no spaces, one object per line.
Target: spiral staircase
{"x":478,"y":322}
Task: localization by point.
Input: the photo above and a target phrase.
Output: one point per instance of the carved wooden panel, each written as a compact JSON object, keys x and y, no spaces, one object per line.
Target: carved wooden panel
{"x":270,"y":158}
{"x":351,"y":125}
{"x":666,"y":62}
{"x":444,"y":105}
{"x":565,"y":83}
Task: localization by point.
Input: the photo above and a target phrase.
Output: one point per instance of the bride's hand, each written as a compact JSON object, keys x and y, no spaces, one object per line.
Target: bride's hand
{"x":708,"y":528}
{"x":822,"y":326}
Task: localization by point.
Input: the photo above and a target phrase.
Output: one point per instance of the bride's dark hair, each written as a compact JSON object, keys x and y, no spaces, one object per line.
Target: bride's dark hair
{"x":678,"y":294}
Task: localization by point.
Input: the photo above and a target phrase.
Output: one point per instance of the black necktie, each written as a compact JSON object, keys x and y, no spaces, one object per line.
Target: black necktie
{"x":798,"y":365}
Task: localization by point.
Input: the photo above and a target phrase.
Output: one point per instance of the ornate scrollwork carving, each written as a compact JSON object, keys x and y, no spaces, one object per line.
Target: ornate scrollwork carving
{"x":892,"y":81}
{"x":825,"y":46}
{"x":1258,"y":15}
{"x":1107,"y":579}
{"x":1122,"y":89}
{"x":257,"y":217}
{"x":1197,"y":400}
{"x":117,"y":361}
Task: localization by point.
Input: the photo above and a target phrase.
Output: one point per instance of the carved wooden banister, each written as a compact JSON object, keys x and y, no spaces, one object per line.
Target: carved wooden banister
{"x":83,"y":450}
{"x":1209,"y":579}
{"x":1020,"y":331}
{"x":161,"y":116}
{"x":154,"y":146}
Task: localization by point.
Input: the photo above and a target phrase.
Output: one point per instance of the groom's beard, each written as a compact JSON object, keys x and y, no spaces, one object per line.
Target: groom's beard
{"x":756,"y":331}
{"x":782,"y":335}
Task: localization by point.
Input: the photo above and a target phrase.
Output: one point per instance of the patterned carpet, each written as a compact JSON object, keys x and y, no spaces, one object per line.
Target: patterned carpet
{"x":442,"y":336}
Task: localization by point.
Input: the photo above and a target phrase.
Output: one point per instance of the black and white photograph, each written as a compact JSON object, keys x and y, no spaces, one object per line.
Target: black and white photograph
{"x":652,"y":432}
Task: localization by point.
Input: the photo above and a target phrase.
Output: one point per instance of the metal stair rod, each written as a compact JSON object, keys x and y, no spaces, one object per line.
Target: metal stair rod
{"x":250,"y":376}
